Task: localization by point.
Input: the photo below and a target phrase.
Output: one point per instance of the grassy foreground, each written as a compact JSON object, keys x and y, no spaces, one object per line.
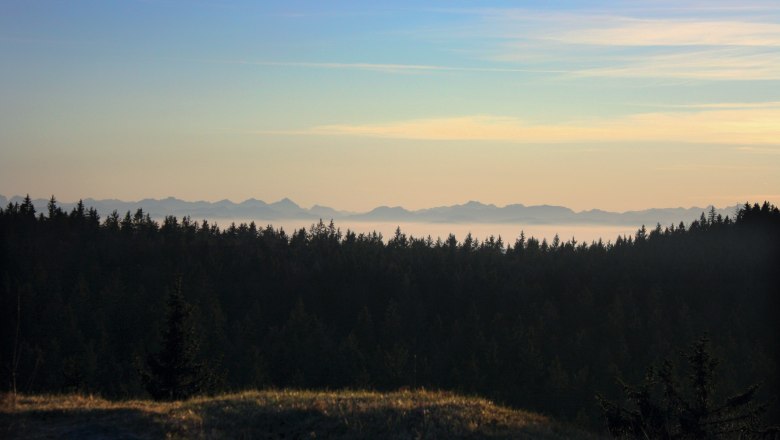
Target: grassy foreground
{"x":286,"y":414}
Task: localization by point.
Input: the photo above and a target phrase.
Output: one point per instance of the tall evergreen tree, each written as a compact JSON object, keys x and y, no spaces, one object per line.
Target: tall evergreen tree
{"x":677,"y":414}
{"x":174,"y":373}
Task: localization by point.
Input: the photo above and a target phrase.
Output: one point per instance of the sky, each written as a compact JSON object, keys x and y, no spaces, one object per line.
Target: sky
{"x":356,"y":104}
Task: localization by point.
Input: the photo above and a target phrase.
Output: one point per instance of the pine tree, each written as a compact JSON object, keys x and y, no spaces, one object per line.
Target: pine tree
{"x":174,"y":372}
{"x":677,"y":414}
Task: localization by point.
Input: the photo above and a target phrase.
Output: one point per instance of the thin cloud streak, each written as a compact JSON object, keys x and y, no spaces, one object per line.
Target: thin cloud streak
{"x":720,"y":64}
{"x":590,"y":44}
{"x":731,"y":126}
{"x":761,"y":150}
{"x":719,"y":105}
{"x":388,"y":67}
{"x":729,"y":46}
{"x":636,"y":32}
{"x":704,"y":65}
{"x":592,"y":28}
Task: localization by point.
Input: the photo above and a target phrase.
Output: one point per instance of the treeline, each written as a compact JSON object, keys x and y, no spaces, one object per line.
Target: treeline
{"x":539,"y":325}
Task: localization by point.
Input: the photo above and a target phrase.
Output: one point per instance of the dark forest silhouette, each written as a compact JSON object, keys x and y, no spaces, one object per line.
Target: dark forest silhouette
{"x":669,"y":406}
{"x":539,"y":325}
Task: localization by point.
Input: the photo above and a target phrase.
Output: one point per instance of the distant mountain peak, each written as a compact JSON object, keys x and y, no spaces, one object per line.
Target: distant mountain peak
{"x":385,"y":208}
{"x":286,"y":202}
{"x":477,"y":204}
{"x":253,"y":202}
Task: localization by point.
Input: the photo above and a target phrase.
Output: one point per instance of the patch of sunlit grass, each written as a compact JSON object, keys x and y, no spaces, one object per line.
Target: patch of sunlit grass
{"x":277,"y":414}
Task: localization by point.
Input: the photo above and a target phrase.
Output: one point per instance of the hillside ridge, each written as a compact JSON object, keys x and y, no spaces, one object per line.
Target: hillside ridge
{"x":277,"y":414}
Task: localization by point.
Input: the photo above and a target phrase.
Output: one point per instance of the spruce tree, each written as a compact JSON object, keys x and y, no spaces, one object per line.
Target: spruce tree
{"x":661,"y":408}
{"x":174,"y":373}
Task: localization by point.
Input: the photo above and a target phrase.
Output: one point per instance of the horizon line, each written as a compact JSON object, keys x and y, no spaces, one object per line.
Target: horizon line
{"x":352,"y":212}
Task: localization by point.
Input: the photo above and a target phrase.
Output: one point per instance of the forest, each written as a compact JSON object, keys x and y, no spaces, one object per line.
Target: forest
{"x":544,"y":326}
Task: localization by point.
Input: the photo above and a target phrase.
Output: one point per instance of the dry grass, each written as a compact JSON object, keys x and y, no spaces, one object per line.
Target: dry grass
{"x":286,"y":414}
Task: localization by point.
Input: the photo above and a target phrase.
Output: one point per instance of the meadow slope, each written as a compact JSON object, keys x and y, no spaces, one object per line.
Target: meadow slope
{"x":276,"y":414}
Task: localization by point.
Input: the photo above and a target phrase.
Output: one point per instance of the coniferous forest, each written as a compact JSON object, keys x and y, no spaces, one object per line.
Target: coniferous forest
{"x":543,"y":326}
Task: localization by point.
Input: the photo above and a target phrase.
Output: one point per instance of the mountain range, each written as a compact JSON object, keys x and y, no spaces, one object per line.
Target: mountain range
{"x":470,"y":212}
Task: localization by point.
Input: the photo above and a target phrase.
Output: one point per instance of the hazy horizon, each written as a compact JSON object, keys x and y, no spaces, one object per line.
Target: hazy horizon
{"x":377,"y":205}
{"x":480,"y":229}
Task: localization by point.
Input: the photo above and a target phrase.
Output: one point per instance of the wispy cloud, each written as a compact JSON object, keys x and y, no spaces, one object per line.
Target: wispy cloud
{"x":716,"y":64}
{"x":761,"y":150}
{"x":734,"y":43}
{"x":722,"y":105}
{"x":729,"y":126}
{"x":388,"y":67}
{"x":622,"y":31}
{"x":728,"y":44}
{"x":625,"y":28}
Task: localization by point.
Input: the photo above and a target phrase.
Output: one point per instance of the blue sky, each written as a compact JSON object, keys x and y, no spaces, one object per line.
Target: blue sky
{"x":614,"y":105}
